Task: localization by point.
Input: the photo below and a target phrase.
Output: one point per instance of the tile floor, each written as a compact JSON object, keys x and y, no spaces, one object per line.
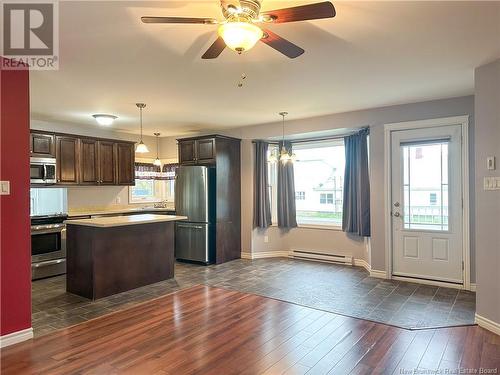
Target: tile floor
{"x":330,"y":287}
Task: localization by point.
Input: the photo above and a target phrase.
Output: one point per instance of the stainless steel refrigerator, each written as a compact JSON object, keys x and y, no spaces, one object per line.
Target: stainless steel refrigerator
{"x":195,"y":198}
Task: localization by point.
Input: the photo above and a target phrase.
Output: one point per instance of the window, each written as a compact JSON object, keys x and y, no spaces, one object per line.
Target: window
{"x":150,"y":191}
{"x":300,"y":195}
{"x":326,"y":198}
{"x":319,"y":176}
{"x":433,"y":199}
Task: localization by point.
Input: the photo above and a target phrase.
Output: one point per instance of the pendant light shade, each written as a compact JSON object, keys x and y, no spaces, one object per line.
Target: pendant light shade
{"x":157,"y":161}
{"x":141,"y":147}
{"x":283,"y":155}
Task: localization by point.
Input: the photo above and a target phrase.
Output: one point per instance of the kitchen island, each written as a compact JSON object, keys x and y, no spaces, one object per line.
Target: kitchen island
{"x":109,"y":255}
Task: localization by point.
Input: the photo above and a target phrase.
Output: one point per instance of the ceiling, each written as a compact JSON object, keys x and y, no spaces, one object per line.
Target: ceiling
{"x":371,"y":54}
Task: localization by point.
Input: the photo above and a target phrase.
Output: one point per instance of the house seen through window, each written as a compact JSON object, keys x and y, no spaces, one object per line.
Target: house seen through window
{"x":319,"y":179}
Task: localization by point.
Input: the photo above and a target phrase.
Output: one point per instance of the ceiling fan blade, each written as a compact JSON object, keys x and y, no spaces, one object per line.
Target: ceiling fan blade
{"x":209,"y":21}
{"x":215,"y":49}
{"x":281,"y":45}
{"x":300,"y":13}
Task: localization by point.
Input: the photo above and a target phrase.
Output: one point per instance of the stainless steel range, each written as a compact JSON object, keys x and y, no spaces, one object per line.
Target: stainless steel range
{"x":48,"y":246}
{"x":48,"y":232}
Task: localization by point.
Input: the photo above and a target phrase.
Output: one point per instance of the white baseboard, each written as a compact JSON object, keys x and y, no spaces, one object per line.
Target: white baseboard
{"x":362,"y":263}
{"x":488,"y":324}
{"x":378,"y":274}
{"x":15,"y":337}
{"x":265,"y":254}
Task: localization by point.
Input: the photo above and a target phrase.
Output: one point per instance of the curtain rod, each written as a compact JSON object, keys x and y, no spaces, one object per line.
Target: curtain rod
{"x":306,"y":140}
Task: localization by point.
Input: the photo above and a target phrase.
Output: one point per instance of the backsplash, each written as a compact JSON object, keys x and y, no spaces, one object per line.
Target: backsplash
{"x":99,"y":198}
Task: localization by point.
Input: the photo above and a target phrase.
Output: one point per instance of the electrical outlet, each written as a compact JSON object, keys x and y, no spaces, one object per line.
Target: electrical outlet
{"x":491,"y":183}
{"x":5,"y":188}
{"x":490,"y":163}
{"x":266,"y":239}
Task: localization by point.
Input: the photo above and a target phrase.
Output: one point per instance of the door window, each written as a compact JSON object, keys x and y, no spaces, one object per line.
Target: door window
{"x":425,"y":175}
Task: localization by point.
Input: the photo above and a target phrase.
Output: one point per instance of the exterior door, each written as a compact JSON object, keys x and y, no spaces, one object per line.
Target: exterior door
{"x":427,"y":217}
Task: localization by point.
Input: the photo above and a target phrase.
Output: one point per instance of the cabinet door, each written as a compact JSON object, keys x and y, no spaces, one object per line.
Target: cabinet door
{"x":187,"y":152}
{"x":125,"y":158}
{"x":42,"y":145}
{"x":107,"y":163}
{"x":67,"y":159}
{"x":89,"y":166}
{"x":205,"y":150}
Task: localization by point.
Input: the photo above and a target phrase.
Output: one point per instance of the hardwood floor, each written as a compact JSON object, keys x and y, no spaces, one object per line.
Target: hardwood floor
{"x":216,"y":331}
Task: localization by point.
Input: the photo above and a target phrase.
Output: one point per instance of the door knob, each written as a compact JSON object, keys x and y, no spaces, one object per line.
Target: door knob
{"x":397,"y":214}
{"x":396,"y":204}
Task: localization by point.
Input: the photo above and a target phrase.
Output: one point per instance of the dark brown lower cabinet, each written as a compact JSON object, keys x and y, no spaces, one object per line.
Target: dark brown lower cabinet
{"x":105,"y":261}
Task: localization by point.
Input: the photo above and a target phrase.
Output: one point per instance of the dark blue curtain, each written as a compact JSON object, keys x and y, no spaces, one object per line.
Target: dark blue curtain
{"x":356,"y":206}
{"x":261,"y":199}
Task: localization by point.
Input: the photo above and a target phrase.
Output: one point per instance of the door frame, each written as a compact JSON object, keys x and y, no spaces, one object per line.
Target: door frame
{"x":462,"y":121}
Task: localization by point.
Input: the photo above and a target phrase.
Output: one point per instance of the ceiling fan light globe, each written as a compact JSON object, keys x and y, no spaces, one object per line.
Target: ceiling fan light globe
{"x":240,"y":36}
{"x":141,"y":148}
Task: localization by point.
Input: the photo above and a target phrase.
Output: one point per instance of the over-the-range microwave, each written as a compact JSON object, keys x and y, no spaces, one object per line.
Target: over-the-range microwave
{"x":42,"y":170}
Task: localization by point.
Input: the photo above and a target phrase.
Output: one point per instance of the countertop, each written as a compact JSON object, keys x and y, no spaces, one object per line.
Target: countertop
{"x":118,"y":211}
{"x":118,"y":221}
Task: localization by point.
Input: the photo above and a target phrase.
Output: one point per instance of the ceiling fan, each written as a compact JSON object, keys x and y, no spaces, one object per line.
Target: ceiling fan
{"x":240,"y":32}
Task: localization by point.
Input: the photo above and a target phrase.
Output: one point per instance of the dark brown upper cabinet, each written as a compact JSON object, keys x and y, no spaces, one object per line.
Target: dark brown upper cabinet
{"x":67,"y":153}
{"x":187,"y":152}
{"x":89,"y":162}
{"x":107,"y":163}
{"x":197,"y":151}
{"x":86,"y":161}
{"x":125,"y":156}
{"x":42,"y":145}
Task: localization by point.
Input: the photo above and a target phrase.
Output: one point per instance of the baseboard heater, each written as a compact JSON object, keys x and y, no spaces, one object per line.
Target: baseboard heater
{"x":321,"y":257}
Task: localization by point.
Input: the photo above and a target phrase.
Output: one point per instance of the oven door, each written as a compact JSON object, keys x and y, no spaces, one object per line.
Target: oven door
{"x":48,"y":243}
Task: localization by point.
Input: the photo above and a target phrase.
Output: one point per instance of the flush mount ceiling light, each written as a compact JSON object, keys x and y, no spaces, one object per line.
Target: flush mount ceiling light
{"x":240,"y":34}
{"x":157,"y":161}
{"x":103,"y":119}
{"x":141,"y":147}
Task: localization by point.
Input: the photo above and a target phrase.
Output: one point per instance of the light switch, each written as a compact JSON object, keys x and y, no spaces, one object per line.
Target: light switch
{"x":490,"y":163}
{"x":5,"y":188}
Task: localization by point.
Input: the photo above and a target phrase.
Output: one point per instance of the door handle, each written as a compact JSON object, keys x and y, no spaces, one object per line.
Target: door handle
{"x":397,"y":214}
{"x":396,"y":204}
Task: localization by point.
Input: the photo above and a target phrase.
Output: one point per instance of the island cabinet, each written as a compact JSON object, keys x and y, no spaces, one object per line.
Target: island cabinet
{"x":223,"y":154}
{"x":109,"y":255}
{"x":85,"y":160}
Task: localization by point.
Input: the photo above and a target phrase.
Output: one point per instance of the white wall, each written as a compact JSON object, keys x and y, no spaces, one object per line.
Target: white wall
{"x":487,"y":214}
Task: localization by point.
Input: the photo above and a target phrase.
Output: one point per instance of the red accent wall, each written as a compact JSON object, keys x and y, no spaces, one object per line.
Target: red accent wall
{"x":15,"y":240}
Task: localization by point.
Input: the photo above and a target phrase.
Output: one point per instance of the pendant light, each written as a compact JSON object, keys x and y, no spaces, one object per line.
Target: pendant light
{"x":285,"y":155}
{"x":157,"y":161}
{"x":141,"y":147}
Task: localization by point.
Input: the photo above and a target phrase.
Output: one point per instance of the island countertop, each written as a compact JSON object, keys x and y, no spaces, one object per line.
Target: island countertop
{"x":118,"y":221}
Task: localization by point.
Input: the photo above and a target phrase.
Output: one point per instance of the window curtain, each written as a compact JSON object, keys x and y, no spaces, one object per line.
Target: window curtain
{"x":149,"y":171}
{"x":169,"y":171}
{"x":261,"y":200}
{"x":286,"y":192}
{"x":356,"y":205}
